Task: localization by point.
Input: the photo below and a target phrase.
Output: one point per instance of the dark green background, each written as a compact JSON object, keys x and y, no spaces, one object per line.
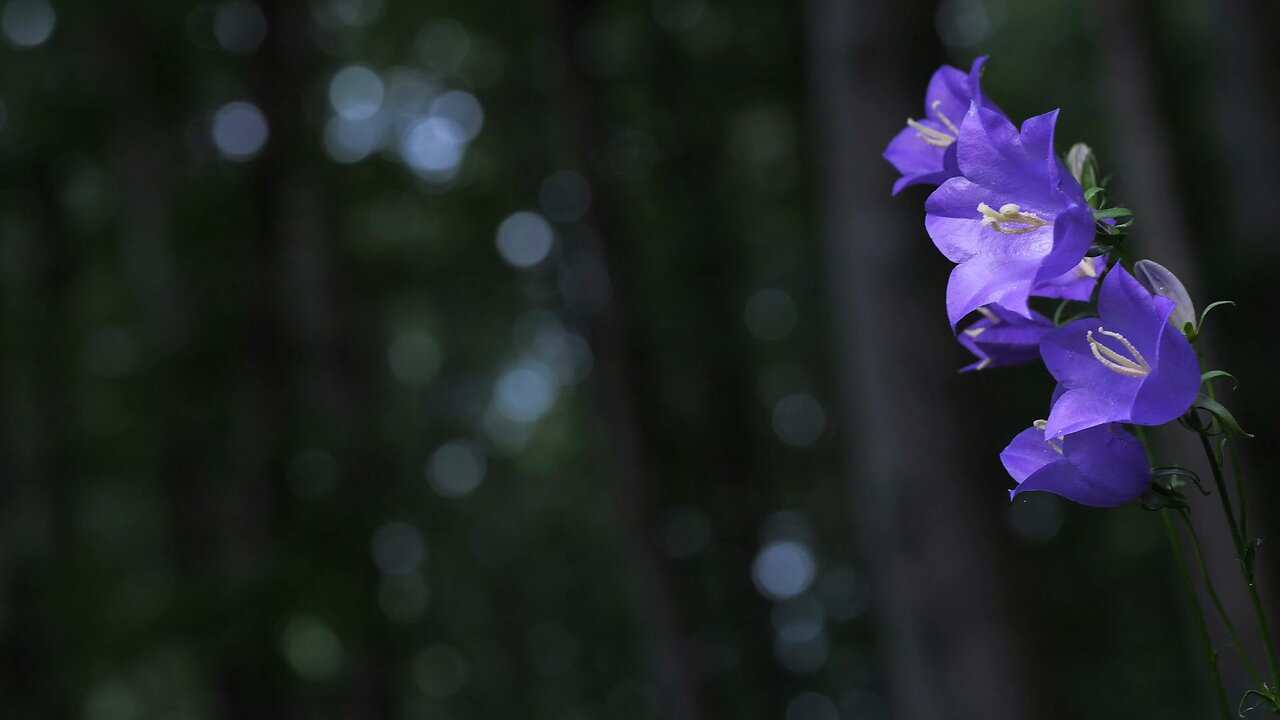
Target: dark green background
{"x":221,"y":396}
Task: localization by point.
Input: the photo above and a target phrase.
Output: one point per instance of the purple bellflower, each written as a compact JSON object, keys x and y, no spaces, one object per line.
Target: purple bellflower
{"x":1013,"y":219}
{"x":1127,"y":365}
{"x":1001,"y":338}
{"x":1102,"y":466}
{"x":925,"y":151}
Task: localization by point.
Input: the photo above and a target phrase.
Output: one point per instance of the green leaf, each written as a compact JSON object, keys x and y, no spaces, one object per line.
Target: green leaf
{"x":1215,"y":374}
{"x":1223,"y":415}
{"x":1091,"y":192}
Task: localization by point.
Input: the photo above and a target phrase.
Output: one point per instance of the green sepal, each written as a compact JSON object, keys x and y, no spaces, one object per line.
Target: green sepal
{"x":1096,"y":196}
{"x":1215,"y":374}
{"x":1221,"y":414}
{"x":1267,"y":695}
{"x":1158,"y":498}
{"x":1211,"y":306}
{"x":1109,"y":213}
{"x":1174,"y":478}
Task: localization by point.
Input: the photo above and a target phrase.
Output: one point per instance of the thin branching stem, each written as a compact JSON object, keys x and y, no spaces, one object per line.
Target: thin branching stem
{"x":1246,"y":567}
{"x":1210,"y":655}
{"x":1217,"y":602}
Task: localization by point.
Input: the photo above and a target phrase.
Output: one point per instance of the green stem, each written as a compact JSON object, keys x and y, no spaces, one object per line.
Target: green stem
{"x":1210,"y":655}
{"x":1231,"y":442}
{"x":1246,"y":567}
{"x":1238,"y":475}
{"x":1217,"y":602}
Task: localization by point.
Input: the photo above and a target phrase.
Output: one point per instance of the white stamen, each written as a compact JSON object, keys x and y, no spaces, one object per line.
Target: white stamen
{"x":1135,"y":366}
{"x":945,"y":120}
{"x":983,"y":364}
{"x":986,"y":313}
{"x":934,"y":137}
{"x":1041,"y":425}
{"x":1086,"y":268}
{"x":974,"y":332}
{"x":1010,"y":219}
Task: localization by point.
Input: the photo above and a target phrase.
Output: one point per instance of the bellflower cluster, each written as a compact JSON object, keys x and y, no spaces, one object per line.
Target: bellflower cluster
{"x":1018,"y":225}
{"x":1042,"y":274}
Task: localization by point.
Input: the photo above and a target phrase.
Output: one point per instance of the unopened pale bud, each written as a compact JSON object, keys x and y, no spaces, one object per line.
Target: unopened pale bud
{"x":1083,"y":165}
{"x":1156,"y":278}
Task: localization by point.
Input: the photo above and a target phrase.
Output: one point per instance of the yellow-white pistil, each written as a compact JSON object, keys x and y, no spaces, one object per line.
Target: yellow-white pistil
{"x":1086,"y":268}
{"x":1010,"y":219}
{"x":1055,"y":444}
{"x":1135,"y":366}
{"x":933,"y":136}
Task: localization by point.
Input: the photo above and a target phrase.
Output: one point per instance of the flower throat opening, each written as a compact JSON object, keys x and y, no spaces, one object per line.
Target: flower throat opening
{"x":1134,"y":366}
{"x":935,"y":137}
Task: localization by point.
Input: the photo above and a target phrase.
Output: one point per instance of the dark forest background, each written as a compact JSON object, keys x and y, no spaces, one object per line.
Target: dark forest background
{"x":570,"y":359}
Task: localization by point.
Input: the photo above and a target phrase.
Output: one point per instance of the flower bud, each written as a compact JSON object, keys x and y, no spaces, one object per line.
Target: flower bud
{"x":1083,"y":165}
{"x":1156,"y":278}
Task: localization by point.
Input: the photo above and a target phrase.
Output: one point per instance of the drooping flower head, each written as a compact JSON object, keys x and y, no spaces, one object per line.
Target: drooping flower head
{"x":924,"y":152}
{"x":1102,"y":466}
{"x":1127,"y":365}
{"x":1001,"y":338}
{"x":1014,"y":218}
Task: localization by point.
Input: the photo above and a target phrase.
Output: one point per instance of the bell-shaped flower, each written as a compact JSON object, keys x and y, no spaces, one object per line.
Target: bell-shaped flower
{"x":924,"y":151}
{"x":1001,"y":338}
{"x":1127,"y":365}
{"x":1013,"y":219}
{"x":1102,"y":466}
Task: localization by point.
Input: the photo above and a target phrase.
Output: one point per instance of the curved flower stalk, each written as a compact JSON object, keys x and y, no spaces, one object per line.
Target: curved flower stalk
{"x":1001,"y":338}
{"x":1103,"y":466}
{"x":1013,"y":218}
{"x":1129,"y":364}
{"x":925,"y":151}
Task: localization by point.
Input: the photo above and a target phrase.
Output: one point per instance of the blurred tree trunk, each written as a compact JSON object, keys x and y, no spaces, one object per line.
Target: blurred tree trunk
{"x":38,"y":494}
{"x":624,"y":385}
{"x":927,"y":539}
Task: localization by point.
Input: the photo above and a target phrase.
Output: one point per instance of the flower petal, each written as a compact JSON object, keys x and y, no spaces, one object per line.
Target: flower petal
{"x":1083,"y":408}
{"x":1010,"y":165}
{"x":1075,"y":284}
{"x":1072,"y":235}
{"x":983,"y":280}
{"x":1111,"y":462}
{"x":1173,"y":386}
{"x":1027,"y":453}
